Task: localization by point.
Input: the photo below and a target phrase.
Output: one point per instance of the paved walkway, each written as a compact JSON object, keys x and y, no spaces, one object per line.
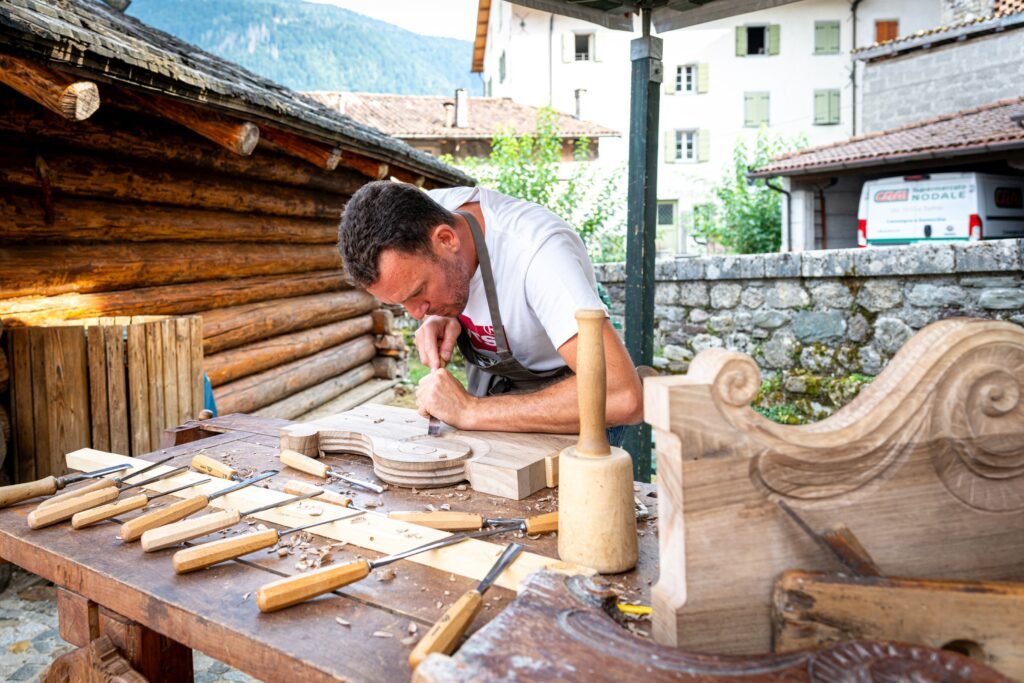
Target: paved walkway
{"x":30,"y":641}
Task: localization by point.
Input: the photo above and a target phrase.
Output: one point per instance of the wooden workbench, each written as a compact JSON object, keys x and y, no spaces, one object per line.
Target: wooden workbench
{"x":155,"y":616}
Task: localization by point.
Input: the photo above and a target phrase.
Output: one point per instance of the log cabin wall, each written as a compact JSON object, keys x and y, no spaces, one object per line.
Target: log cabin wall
{"x":127,"y":213}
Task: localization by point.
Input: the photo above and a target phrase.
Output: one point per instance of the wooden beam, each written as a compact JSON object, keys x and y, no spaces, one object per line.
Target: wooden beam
{"x":240,"y":137}
{"x":58,"y":92}
{"x":472,"y":558}
{"x":319,"y":155}
{"x":408,"y":176}
{"x":314,"y":397}
{"x":371,"y":168}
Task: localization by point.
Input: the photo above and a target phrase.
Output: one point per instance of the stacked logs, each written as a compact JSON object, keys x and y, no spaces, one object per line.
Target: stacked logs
{"x":129,"y":213}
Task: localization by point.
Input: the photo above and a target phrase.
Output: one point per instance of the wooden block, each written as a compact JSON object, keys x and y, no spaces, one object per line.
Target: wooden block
{"x":78,"y":618}
{"x":157,"y":658}
{"x":924,"y":466}
{"x":471,"y":558}
{"x":981,"y":619}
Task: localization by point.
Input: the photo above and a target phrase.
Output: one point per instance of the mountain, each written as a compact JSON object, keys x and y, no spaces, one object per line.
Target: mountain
{"x":308,"y":46}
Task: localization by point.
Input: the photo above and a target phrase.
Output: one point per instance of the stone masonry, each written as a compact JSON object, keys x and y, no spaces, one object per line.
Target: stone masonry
{"x":824,"y":313}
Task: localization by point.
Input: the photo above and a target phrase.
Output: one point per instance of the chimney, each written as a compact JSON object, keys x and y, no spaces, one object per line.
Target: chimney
{"x":580,"y":93}
{"x":449,"y":114}
{"x":461,"y":109}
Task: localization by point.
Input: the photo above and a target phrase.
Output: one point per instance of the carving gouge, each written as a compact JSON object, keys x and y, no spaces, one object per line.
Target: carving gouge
{"x":447,"y":520}
{"x":103,"y":512}
{"x":202,"y":556}
{"x":66,"y":509}
{"x":295,"y":589}
{"x":447,"y":632}
{"x":308,"y":465}
{"x":102,"y":483}
{"x":187,"y":529}
{"x":134,"y":528}
{"x":9,"y":495}
{"x":433,"y":426}
{"x":215,"y":468}
{"x":296,"y":487}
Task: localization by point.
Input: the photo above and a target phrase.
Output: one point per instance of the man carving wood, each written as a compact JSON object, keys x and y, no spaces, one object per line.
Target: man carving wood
{"x":500,"y":277}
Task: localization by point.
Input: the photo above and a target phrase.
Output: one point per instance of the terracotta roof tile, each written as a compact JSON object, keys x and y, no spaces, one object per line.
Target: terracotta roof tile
{"x":417,"y":116}
{"x":970,"y":130}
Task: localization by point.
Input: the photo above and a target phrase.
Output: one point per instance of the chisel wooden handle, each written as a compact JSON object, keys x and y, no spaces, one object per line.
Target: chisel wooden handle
{"x":66,"y":509}
{"x":208,"y":465}
{"x":94,"y":485}
{"x":445,"y":635}
{"x":295,"y":589}
{"x":187,"y":529}
{"x":445,"y":520}
{"x":102,"y":512}
{"x":200,"y":556}
{"x":542,"y":524}
{"x":591,"y":383}
{"x":301,"y":488}
{"x":134,"y":528}
{"x":9,"y":495}
{"x":303,"y":463}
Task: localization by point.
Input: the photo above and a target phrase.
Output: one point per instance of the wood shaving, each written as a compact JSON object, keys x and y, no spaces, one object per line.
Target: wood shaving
{"x":246,"y":596}
{"x":430,"y":507}
{"x":409,"y":640}
{"x":342,"y":621}
{"x":446,"y":507}
{"x":382,"y":634}
{"x":412,"y":628}
{"x":281,"y":552}
{"x":262,"y":527}
{"x":460,"y":487}
{"x":386,"y":574}
{"x":374,"y":503}
{"x":451,"y":577}
{"x":440,"y":604}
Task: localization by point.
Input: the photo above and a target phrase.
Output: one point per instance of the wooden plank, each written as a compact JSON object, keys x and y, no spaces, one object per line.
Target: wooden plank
{"x":22,"y":407}
{"x":39,"y":340}
{"x":100,"y":412}
{"x":982,"y":619}
{"x":183,"y":363}
{"x":138,"y":389}
{"x":471,"y":558}
{"x":117,"y":397}
{"x":169,"y":374}
{"x":196,"y":364}
{"x":155,"y":383}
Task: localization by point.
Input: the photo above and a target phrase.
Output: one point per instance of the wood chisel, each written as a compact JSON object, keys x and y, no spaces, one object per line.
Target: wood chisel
{"x":9,"y":495}
{"x":104,"y":512}
{"x":103,"y":483}
{"x":48,"y":515}
{"x":208,"y":554}
{"x":433,"y":426}
{"x":133,"y":529}
{"x":446,"y":633}
{"x":187,"y":529}
{"x":447,"y":520}
{"x":296,"y":488}
{"x":295,"y":589}
{"x":207,"y":465}
{"x":303,"y":463}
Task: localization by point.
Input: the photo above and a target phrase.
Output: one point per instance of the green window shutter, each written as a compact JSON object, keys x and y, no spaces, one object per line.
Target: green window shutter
{"x":670,"y":147}
{"x":741,"y":41}
{"x":755,"y":109}
{"x":773,"y":39}
{"x":703,"y":144}
{"x":833,"y":105}
{"x":763,"y":110}
{"x":670,"y":74}
{"x":748,"y":110}
{"x":826,"y":38}
{"x":820,"y":107}
{"x":702,"y":78}
{"x":568,"y":47}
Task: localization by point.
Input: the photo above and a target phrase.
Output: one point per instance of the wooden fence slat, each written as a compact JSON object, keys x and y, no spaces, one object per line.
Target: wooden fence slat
{"x":98,"y":388}
{"x":117,"y":399}
{"x":40,"y":350}
{"x":183,"y":362}
{"x":22,"y":405}
{"x":170,"y":376}
{"x":196,"y":352}
{"x":154,"y":383}
{"x":67,"y":394}
{"x":138,"y":389}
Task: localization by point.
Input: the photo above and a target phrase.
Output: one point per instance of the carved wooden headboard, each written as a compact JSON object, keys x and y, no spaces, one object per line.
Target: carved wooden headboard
{"x":926,"y":466}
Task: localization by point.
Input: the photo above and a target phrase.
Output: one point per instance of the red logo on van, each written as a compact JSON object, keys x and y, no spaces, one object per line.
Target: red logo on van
{"x":892,"y":195}
{"x":1009,"y":198}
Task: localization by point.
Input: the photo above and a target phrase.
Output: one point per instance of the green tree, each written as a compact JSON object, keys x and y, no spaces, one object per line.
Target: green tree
{"x":745,"y":216}
{"x":528,"y":167}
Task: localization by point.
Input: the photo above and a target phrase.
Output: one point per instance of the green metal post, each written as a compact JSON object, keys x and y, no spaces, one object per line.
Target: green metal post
{"x":645,"y":54}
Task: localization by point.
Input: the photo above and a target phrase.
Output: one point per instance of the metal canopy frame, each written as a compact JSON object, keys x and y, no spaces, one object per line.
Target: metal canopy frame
{"x":645,"y":55}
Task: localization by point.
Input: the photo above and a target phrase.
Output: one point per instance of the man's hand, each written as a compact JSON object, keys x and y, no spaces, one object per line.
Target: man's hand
{"x":435,"y":340}
{"x":441,"y":395}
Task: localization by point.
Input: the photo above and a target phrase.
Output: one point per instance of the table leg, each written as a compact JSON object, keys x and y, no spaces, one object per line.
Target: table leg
{"x":158,"y":658}
{"x":78,"y":618}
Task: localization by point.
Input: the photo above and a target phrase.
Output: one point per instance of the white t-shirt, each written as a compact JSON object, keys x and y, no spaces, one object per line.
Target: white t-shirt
{"x":542,"y":275}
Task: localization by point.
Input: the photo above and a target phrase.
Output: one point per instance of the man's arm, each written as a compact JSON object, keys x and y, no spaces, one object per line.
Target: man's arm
{"x":554,"y":409}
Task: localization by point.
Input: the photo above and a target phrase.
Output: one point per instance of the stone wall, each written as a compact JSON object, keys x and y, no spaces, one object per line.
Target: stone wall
{"x":824,"y":313}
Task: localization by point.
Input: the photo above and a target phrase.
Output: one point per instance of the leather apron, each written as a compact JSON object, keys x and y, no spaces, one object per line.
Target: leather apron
{"x":487,"y":376}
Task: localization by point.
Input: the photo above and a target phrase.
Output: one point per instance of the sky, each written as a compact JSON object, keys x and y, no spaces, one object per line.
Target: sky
{"x":445,"y":18}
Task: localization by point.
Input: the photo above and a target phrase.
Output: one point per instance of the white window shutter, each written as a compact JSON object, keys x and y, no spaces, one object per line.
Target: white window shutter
{"x":669,"y":75}
{"x":568,"y":47}
{"x":670,"y":147}
{"x":597,"y":46}
{"x":702,"y":78}
{"x":703,"y":144}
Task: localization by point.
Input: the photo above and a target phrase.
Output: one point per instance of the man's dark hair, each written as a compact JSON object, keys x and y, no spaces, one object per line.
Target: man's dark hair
{"x":386,"y":215}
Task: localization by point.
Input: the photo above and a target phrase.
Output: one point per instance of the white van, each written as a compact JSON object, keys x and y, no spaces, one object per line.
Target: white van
{"x":939,"y":207}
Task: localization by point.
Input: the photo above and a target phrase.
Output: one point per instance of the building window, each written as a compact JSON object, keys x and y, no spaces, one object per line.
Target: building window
{"x":686,"y":78}
{"x":826,"y":37}
{"x":686,"y":145}
{"x":755,"y":109}
{"x":583,"y":45}
{"x":501,"y":67}
{"x":886,"y":30}
{"x":826,"y":107}
{"x":758,"y":40}
{"x":666,"y":214}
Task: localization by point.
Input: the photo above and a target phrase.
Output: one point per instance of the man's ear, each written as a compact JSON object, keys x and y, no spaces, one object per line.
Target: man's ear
{"x":445,"y":239}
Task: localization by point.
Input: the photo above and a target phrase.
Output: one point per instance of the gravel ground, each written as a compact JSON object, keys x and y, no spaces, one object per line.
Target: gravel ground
{"x":30,"y":641}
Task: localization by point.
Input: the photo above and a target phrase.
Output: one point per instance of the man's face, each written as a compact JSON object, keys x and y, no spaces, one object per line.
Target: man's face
{"x":423,"y":284}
